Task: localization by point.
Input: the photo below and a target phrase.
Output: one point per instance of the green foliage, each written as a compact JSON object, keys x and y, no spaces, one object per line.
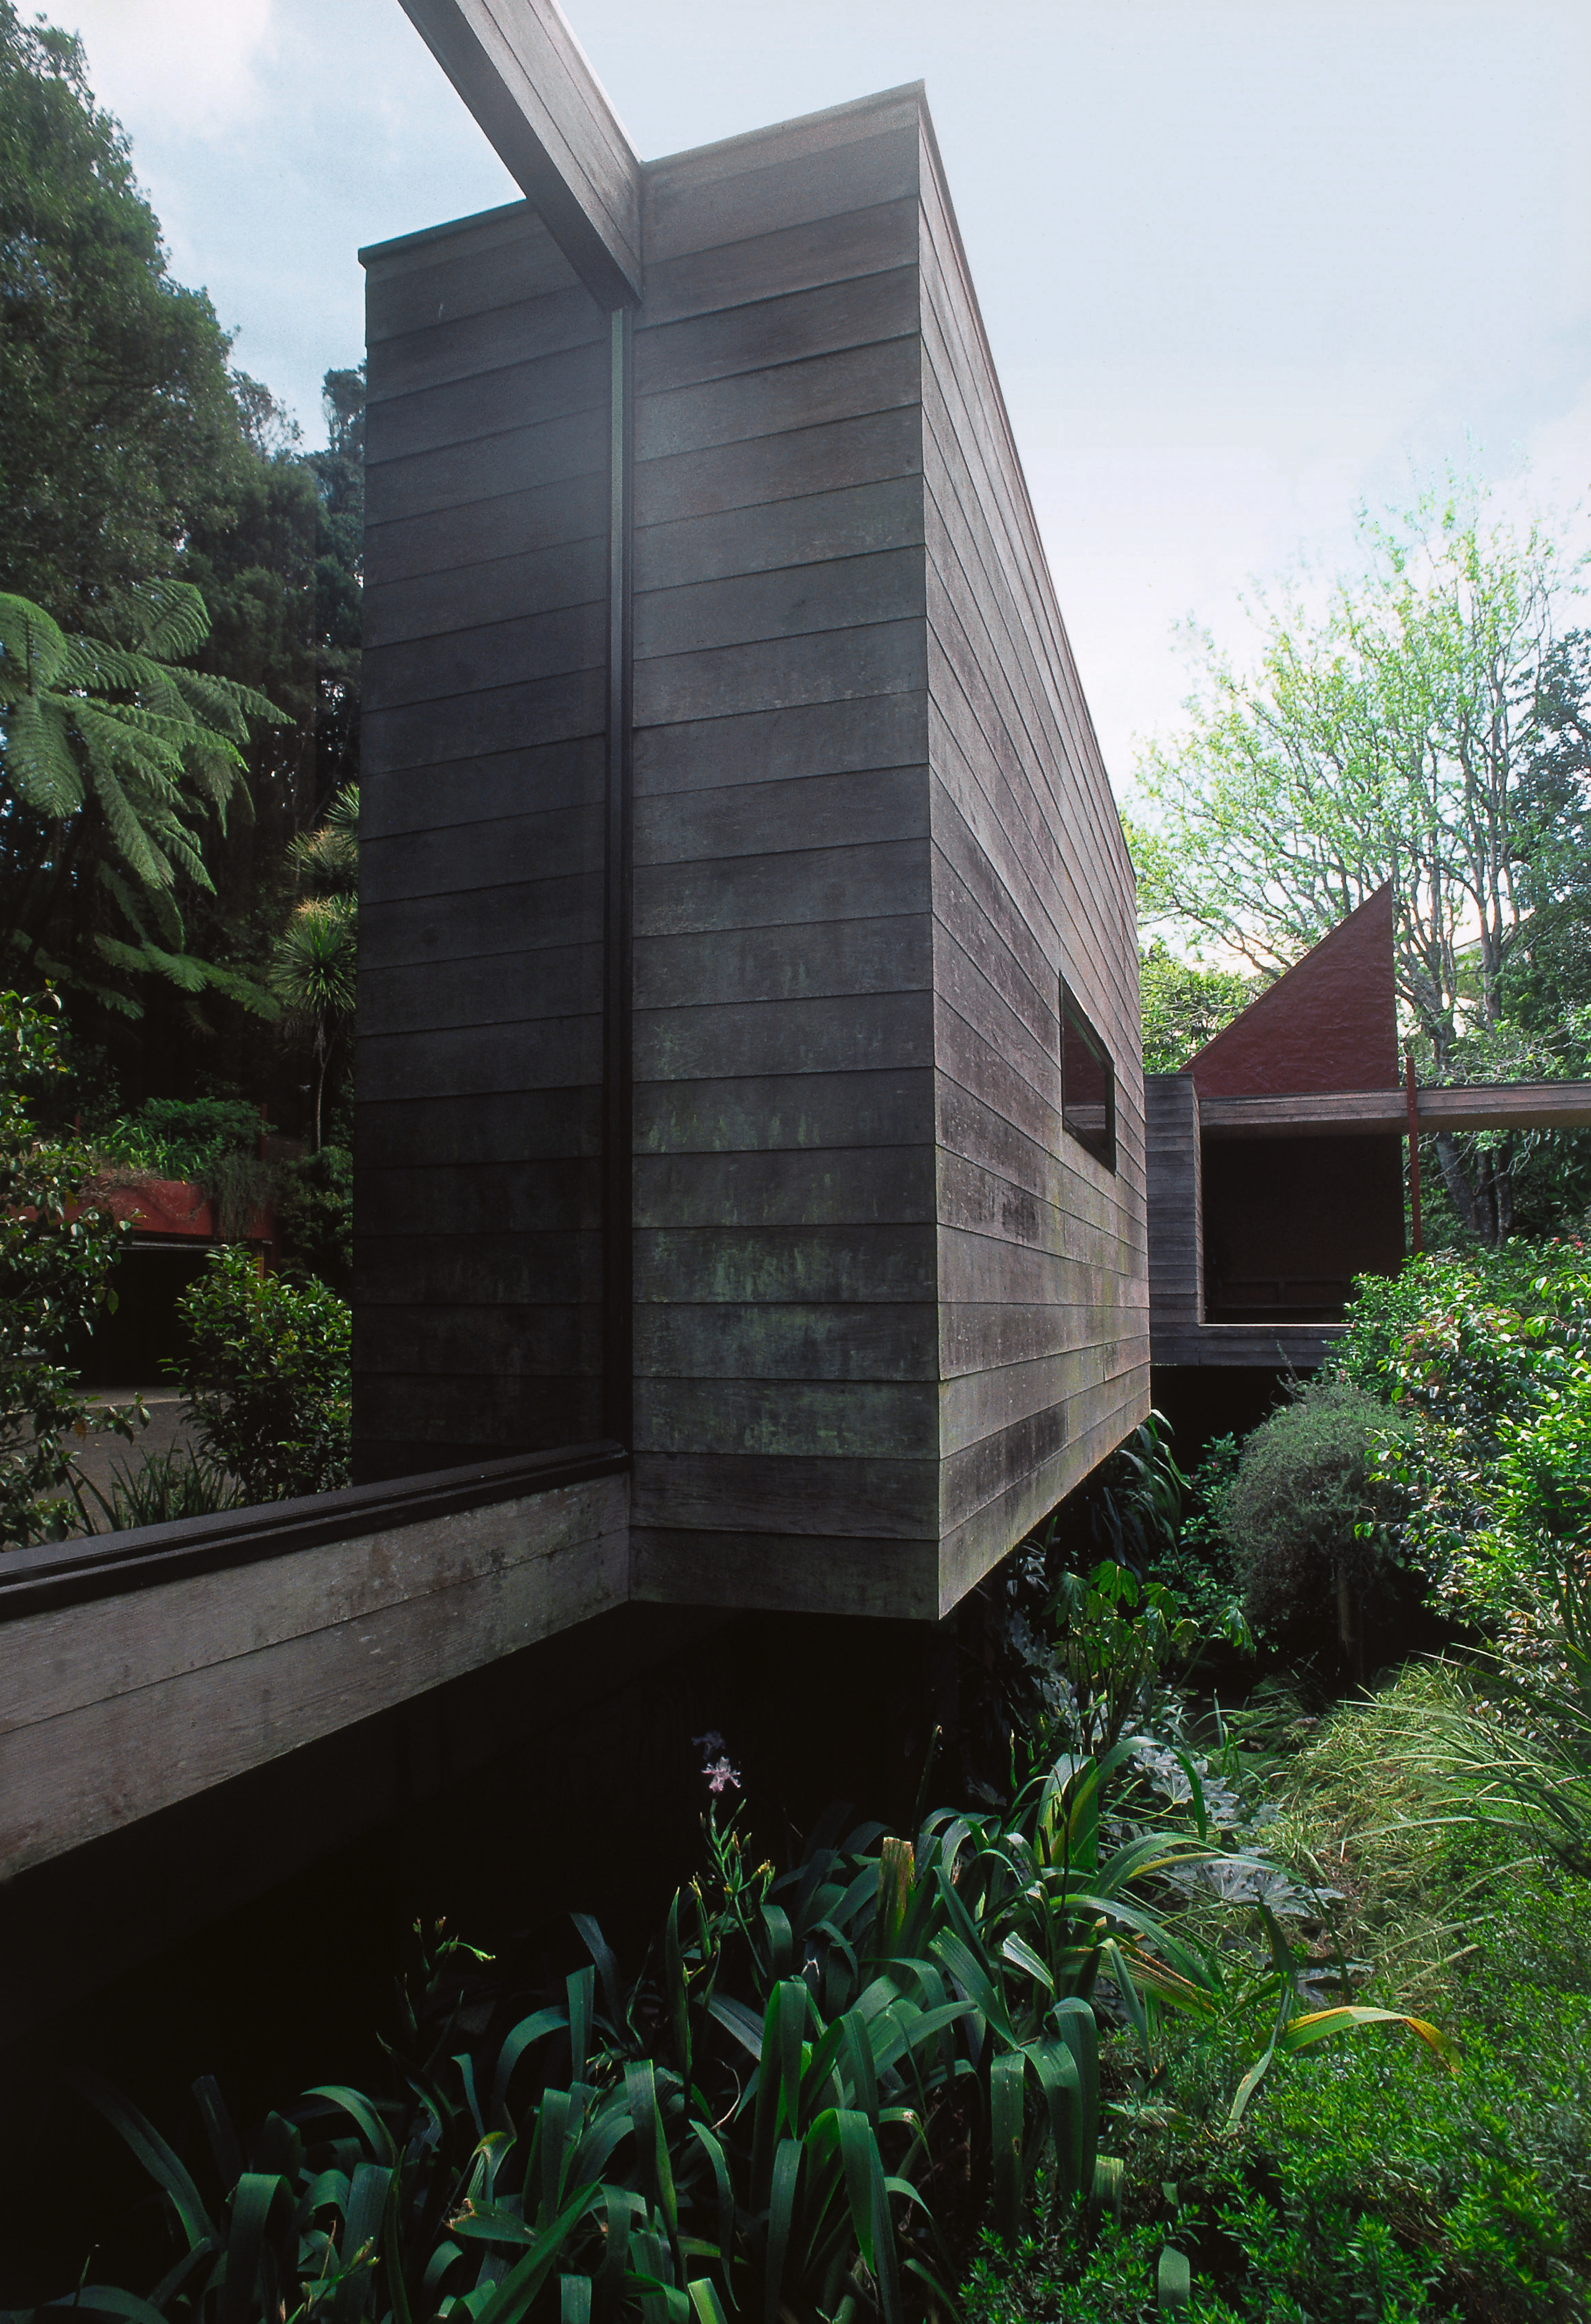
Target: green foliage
{"x":56,"y":1256}
{"x":122,"y":739}
{"x":115,"y":408}
{"x":165,"y":1486}
{"x":1480,"y":1350}
{"x":1306,"y":1511}
{"x":212,"y":1142}
{"x":1411,"y":733}
{"x":1184,"y":1005}
{"x":315,"y":1217}
{"x":313,"y":967}
{"x":267,"y":1377}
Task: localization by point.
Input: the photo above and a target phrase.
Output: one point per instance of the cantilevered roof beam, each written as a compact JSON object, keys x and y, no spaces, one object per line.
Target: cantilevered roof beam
{"x":1333,"y":1114}
{"x":525,"y":77}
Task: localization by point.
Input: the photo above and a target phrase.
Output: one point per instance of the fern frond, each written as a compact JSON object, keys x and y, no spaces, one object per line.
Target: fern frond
{"x":146,"y":861}
{"x":39,"y":758}
{"x":33,"y":648}
{"x":168,"y":619}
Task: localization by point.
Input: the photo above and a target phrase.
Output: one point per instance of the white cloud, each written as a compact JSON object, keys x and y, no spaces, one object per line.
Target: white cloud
{"x":189,"y":68}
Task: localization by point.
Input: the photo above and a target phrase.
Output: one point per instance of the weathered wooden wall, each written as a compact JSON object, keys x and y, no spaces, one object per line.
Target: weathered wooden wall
{"x":479,"y":1065}
{"x":124,"y":1692}
{"x":1042,"y":1263}
{"x":886,"y":1310}
{"x":1175,"y":1208}
{"x":786,"y":1430}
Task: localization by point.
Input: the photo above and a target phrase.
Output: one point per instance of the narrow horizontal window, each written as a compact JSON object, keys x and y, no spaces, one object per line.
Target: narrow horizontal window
{"x":1088,"y":1083}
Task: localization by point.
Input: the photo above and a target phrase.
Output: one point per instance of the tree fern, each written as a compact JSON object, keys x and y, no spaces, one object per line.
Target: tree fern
{"x":117,"y":729}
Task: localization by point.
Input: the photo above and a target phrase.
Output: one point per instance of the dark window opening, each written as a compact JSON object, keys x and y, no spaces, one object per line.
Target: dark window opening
{"x":1088,"y":1083}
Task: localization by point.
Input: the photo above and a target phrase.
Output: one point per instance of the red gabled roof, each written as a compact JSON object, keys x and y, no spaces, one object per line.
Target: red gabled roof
{"x":1330,"y":1023}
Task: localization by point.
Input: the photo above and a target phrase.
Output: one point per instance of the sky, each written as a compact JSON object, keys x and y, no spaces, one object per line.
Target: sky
{"x":1244,"y":264}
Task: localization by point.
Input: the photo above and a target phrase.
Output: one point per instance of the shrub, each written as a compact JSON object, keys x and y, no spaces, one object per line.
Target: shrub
{"x":268,"y":1377}
{"x":212,"y":1141}
{"x":1304,"y":1512}
{"x":315,"y":1217}
{"x":56,"y":1256}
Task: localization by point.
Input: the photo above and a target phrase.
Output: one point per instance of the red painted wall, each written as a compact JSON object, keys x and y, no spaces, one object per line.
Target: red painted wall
{"x":1330,"y":1023}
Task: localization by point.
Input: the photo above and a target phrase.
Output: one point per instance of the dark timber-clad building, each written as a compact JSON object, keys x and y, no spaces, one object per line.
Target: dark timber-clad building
{"x":749,"y":1065}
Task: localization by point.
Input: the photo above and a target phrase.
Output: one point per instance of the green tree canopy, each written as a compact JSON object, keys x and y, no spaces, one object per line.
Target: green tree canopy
{"x":118,"y":424}
{"x":1184,"y":1005}
{"x":1421,"y":725}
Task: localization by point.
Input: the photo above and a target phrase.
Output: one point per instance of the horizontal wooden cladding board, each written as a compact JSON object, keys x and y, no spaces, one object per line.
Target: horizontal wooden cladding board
{"x":540,"y":387}
{"x":1018,"y":1018}
{"x":479,"y":596}
{"x":1255,"y":1347}
{"x":757,"y":471}
{"x":979,"y":1270}
{"x":787,"y":1188}
{"x":778,"y":178}
{"x":435,"y":1267}
{"x":460,"y":347}
{"x":996,"y":686}
{"x":543,"y":779}
{"x":784,"y":1573}
{"x":802,"y":257}
{"x":953,"y":331}
{"x":117,"y":1710}
{"x":496,"y":260}
{"x":484,"y":531}
{"x":805,"y":961}
{"x":1037,"y":1158}
{"x":465,"y":662}
{"x":973,"y":1547}
{"x":510,"y":1411}
{"x":977,"y":1336}
{"x":880,"y":881}
{"x":757,"y":750}
{"x":521,"y":1126}
{"x":530,"y":915}
{"x":779,"y":1112}
{"x":523,"y":847}
{"x":840,"y":1343}
{"x":794,"y":601}
{"x":475,"y":1060}
{"x":962,"y":675}
{"x":895,"y":1265}
{"x":976,"y":812}
{"x":975,"y":1198}
{"x":879,"y":376}
{"x":832,"y":1420}
{"x":983,"y":1404}
{"x":838,"y":665}
{"x":560,"y":981}
{"x":771,"y":1492}
{"x":554,"y":1195}
{"x":795,"y":815}
{"x":971,"y":543}
{"x":538,"y":1342}
{"x":770,"y":330}
{"x":970,"y":1059}
{"x":852,"y":1032}
{"x":476,"y":726}
{"x":728,"y":544}
{"x":525,"y":453}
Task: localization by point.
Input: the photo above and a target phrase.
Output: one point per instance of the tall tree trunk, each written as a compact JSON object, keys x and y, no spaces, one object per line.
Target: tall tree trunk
{"x":1457,"y":1185}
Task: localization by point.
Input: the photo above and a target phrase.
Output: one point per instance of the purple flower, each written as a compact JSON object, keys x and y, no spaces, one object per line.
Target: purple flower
{"x":721,"y":1775}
